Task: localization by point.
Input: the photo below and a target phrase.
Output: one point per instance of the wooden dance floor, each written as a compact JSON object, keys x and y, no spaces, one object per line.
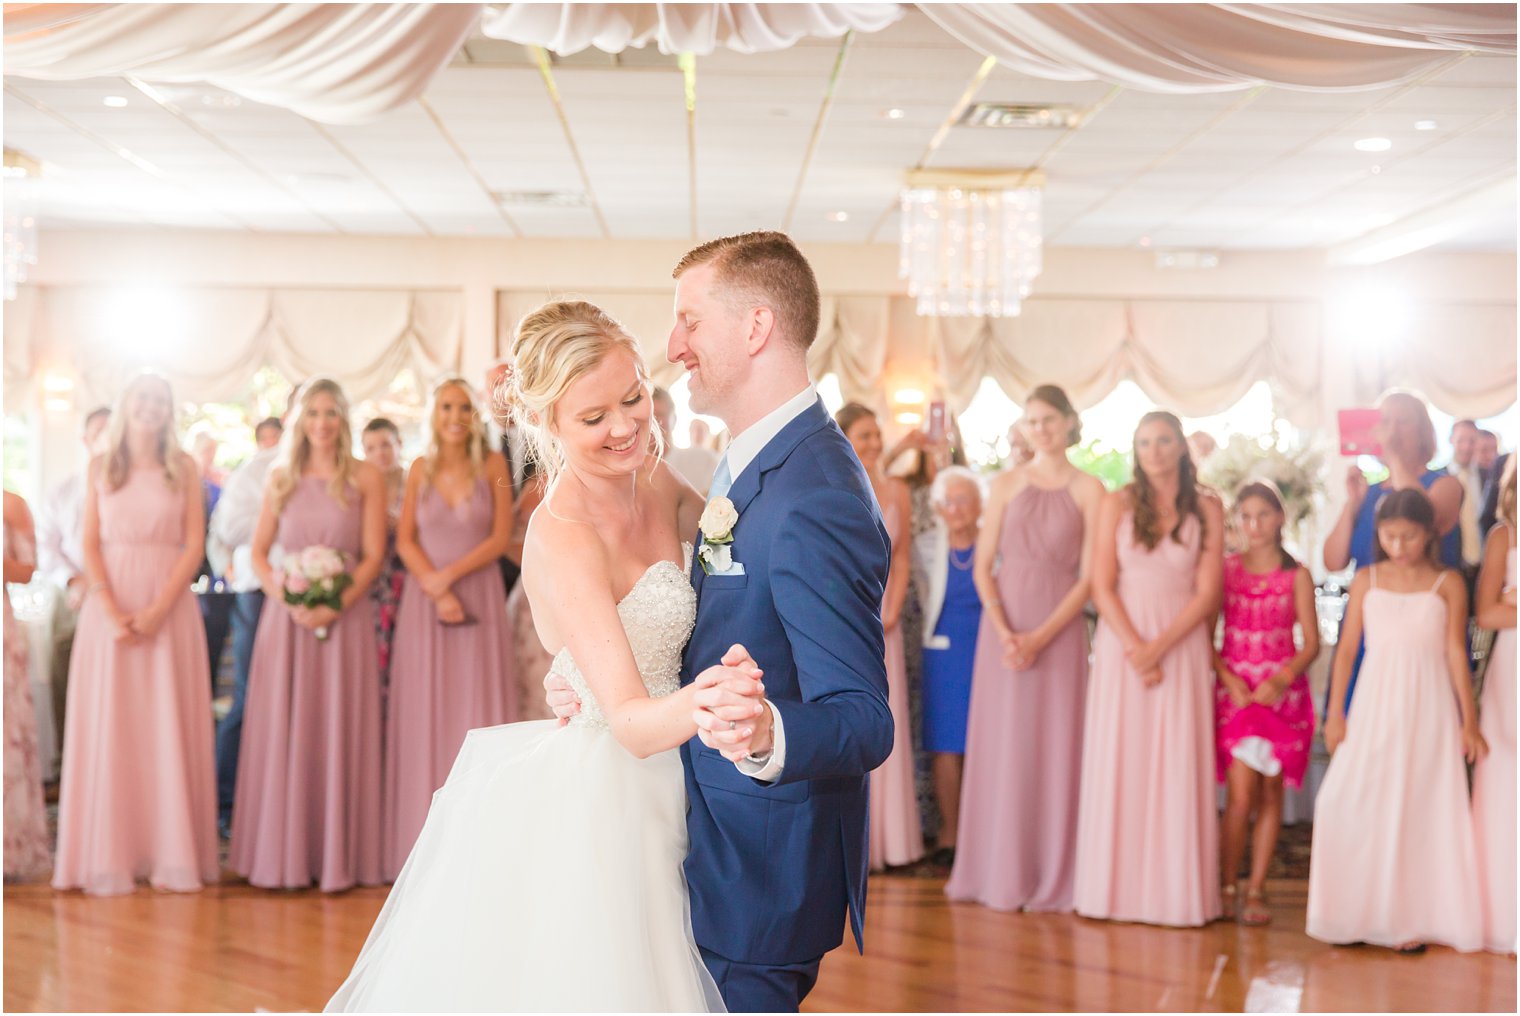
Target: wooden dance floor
{"x":237,"y":948}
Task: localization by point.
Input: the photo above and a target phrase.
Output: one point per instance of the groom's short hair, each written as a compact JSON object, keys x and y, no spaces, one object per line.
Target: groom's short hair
{"x":764,"y":268}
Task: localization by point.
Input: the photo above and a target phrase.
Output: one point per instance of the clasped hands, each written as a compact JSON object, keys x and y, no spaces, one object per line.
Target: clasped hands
{"x":728,"y":702}
{"x":439,"y":585}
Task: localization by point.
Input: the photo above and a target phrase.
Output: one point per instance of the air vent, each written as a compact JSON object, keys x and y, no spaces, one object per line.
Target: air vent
{"x":1020,"y":115}
{"x":542,"y":199}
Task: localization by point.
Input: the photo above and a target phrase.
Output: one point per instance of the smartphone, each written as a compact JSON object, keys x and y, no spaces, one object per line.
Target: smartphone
{"x":936,"y":428}
{"x":1357,"y":427}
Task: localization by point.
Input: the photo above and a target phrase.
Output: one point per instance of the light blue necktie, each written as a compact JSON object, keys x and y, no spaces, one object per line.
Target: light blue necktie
{"x":721,"y":481}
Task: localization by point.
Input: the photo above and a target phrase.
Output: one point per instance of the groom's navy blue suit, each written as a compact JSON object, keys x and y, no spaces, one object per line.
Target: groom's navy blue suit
{"x":774,"y":868}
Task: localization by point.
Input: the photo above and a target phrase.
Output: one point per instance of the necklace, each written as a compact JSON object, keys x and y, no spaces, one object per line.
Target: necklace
{"x":956,"y":561}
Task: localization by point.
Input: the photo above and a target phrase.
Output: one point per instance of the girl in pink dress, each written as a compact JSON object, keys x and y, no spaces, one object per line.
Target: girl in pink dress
{"x":1147,"y":831}
{"x":1493,"y":791}
{"x":453,"y":664}
{"x":1393,"y":861}
{"x":138,"y":795}
{"x":26,"y":834}
{"x":308,"y":787}
{"x":1264,"y":717}
{"x":896,"y":835}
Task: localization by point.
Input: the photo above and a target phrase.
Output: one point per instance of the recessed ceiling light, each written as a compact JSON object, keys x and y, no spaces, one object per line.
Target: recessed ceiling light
{"x":115,"y":101}
{"x":838,"y":216}
{"x":1376,"y":170}
{"x":1373,"y":145}
{"x":1425,"y":125}
{"x":1145,"y":241}
{"x":894,"y":114}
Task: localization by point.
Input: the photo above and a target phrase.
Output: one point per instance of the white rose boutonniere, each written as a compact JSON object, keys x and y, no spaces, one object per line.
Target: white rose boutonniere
{"x":717,"y":523}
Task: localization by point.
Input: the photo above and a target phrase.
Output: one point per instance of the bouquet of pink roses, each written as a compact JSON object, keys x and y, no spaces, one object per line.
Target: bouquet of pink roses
{"x":315,"y":577}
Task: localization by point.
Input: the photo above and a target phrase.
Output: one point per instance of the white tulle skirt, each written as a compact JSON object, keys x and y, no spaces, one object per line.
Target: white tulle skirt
{"x":547,"y":878}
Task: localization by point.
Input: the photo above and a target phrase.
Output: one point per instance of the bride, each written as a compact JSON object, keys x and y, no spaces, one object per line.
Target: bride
{"x":548,"y":875}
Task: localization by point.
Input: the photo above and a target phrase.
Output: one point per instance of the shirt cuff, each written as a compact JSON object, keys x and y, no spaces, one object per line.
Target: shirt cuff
{"x":769,"y":771}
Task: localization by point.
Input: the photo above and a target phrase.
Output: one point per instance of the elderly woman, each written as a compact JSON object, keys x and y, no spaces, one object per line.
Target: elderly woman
{"x":1408,"y":443}
{"x":952,"y":613}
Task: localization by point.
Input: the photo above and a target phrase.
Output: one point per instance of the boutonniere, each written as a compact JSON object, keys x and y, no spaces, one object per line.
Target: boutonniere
{"x":717,"y":523}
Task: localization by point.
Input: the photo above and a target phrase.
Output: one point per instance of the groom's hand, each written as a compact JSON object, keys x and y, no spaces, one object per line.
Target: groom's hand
{"x":729,"y":700}
{"x":561,"y":698}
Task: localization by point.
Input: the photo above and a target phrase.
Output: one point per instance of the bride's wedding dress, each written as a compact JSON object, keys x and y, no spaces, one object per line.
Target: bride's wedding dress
{"x":548,"y":876}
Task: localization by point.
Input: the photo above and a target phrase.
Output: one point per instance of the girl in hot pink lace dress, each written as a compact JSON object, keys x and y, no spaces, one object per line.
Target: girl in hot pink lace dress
{"x":1264,"y":717}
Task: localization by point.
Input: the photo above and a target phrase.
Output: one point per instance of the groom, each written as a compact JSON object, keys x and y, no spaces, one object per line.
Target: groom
{"x":778,"y":836}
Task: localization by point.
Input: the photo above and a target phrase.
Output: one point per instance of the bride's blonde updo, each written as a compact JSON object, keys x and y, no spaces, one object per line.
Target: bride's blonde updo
{"x":554,"y":346}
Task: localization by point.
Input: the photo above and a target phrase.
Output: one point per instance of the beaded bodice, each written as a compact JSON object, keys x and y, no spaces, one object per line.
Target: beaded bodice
{"x":657,"y":614}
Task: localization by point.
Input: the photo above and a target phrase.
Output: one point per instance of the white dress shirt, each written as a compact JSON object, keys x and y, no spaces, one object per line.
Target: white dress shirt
{"x":235,"y":518}
{"x":742,"y":451}
{"x":60,"y":532}
{"x":1471,"y":479}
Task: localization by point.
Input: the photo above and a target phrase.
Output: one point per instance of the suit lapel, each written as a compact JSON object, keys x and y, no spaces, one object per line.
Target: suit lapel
{"x":748,"y":483}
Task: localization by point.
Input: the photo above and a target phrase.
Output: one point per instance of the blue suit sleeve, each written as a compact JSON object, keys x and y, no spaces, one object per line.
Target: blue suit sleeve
{"x":827,"y":572}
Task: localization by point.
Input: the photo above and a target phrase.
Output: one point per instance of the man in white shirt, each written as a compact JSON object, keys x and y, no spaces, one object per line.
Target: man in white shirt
{"x":695,"y":464}
{"x":1464,"y":466}
{"x":60,"y":557}
{"x":229,"y":548}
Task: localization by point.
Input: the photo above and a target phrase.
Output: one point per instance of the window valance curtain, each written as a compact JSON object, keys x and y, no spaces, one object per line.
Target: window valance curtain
{"x":215,"y":340}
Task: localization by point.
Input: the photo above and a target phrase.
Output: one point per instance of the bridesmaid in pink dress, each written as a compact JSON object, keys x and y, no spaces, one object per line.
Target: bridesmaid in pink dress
{"x":1493,"y":792}
{"x":26,"y":834}
{"x":138,"y":795}
{"x":1147,"y":831}
{"x":1394,"y":861}
{"x":453,"y":664}
{"x":896,"y":835}
{"x":308,"y":787}
{"x":1264,"y":715}
{"x":1018,"y":826}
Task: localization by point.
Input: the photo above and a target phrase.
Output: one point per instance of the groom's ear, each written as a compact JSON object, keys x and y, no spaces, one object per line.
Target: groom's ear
{"x":762,"y":329}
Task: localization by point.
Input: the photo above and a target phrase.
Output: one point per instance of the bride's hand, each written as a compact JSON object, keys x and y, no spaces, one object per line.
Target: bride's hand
{"x":560,"y":697}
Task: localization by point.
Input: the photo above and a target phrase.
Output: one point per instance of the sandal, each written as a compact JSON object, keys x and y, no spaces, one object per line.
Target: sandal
{"x":1411,"y":948}
{"x":1255,"y":912}
{"x":1229,"y":897}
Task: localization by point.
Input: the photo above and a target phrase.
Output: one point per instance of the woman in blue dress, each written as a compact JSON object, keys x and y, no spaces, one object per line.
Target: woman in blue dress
{"x":1408,"y":443}
{"x":952,"y":613}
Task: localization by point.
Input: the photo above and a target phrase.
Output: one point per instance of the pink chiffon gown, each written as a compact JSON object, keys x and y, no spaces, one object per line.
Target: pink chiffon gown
{"x":308,"y":789}
{"x":445,"y":679}
{"x":27,"y":854}
{"x":1493,"y":792}
{"x":1147,"y":829}
{"x":896,"y":834}
{"x":1393,"y":859}
{"x":138,"y":794}
{"x":1017,"y":840}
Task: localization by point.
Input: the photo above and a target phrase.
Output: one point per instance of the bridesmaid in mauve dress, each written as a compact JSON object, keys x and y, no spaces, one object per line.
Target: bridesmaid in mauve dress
{"x":1024,"y":745}
{"x":1147,"y":828}
{"x":1493,"y":791}
{"x":26,"y":834}
{"x":308,"y":787}
{"x":896,"y":834}
{"x":138,"y":796}
{"x":453,"y":664}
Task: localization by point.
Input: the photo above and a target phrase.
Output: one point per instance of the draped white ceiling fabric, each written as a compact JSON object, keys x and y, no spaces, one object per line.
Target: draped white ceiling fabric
{"x":336,"y":63}
{"x":347,"y":63}
{"x":1219,"y":47}
{"x":680,"y":28}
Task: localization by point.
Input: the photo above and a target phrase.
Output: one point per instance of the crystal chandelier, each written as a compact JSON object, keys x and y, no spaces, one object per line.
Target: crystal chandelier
{"x":20,"y":218}
{"x":971,"y":241}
